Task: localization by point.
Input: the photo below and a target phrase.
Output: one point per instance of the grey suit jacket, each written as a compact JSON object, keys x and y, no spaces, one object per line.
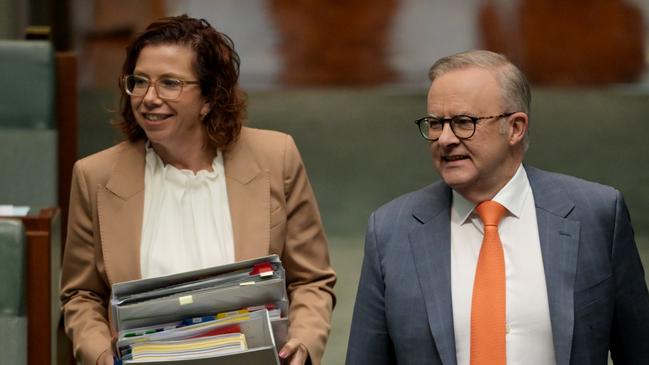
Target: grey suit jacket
{"x":597,"y":293}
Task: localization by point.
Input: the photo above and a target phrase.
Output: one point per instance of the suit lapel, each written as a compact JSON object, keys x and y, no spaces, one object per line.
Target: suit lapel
{"x":248,"y":189}
{"x":430,"y":243}
{"x":120,"y":206}
{"x":559,"y":237}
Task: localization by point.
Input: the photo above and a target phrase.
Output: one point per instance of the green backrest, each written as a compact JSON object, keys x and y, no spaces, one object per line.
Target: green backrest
{"x":12,"y":267}
{"x":28,"y":136}
{"x":13,"y":323}
{"x":361,"y":147}
{"x":28,"y":84}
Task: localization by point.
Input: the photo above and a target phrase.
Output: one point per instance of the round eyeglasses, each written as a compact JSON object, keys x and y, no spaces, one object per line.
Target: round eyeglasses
{"x":463,"y":126}
{"x":167,"y":88}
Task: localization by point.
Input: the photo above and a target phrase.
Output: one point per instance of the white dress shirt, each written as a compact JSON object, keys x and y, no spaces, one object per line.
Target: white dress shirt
{"x":529,"y":331}
{"x":186,"y":224}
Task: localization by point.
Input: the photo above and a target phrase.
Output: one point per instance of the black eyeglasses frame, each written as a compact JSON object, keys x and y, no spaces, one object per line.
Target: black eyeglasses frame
{"x":452,"y":122}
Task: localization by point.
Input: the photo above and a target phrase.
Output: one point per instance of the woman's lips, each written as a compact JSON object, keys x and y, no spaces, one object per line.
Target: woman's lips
{"x":155,"y":117}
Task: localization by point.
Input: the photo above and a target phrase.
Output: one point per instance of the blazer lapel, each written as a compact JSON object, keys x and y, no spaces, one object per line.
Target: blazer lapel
{"x":559,"y":237}
{"x":120,"y":206}
{"x":248,"y":188}
{"x":430,"y":243}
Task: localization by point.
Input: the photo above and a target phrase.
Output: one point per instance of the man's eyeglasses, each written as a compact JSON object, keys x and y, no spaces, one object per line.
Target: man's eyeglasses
{"x":463,"y":126}
{"x":167,"y":88}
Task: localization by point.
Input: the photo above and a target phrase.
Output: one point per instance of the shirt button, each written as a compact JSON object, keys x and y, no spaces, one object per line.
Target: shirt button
{"x":507,"y":328}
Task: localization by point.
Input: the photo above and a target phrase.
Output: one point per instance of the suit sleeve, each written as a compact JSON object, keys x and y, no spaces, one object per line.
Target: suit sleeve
{"x":310,"y":278}
{"x":369,"y":339}
{"x":84,"y":294}
{"x":630,"y":330}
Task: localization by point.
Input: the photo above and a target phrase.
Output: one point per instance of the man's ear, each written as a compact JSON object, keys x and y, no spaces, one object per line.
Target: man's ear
{"x":519,"y":124}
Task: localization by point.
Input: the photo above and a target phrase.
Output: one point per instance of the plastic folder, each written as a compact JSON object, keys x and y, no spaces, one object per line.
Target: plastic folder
{"x":159,"y":306}
{"x":255,"y":327}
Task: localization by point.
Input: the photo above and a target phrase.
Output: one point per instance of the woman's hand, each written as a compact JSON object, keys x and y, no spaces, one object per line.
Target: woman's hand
{"x":294,"y":353}
{"x":106,"y":358}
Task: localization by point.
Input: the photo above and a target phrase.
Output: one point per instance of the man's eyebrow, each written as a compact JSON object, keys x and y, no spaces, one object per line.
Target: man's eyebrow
{"x":468,"y":114}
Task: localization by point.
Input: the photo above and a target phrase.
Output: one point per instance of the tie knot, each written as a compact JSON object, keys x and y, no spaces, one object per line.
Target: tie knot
{"x":490,"y":212}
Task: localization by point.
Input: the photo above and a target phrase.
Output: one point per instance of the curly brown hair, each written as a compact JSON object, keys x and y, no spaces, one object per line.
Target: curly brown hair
{"x":217,"y":67}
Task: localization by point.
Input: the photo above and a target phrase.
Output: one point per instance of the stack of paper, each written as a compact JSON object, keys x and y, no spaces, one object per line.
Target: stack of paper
{"x":189,"y":349}
{"x":221,"y":313}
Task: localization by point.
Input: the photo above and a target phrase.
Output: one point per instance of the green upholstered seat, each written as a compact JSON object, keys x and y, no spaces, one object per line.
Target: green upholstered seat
{"x":28,"y":136}
{"x":28,"y":84}
{"x":13,"y":322}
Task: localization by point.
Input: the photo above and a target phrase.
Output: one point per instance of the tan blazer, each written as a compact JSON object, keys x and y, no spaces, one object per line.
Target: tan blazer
{"x":273,"y":211}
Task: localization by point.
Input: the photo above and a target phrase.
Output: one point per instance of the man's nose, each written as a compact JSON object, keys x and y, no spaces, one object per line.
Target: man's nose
{"x":447,"y":137}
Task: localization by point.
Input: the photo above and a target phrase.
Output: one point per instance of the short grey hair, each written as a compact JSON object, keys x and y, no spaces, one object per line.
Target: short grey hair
{"x":515,"y":87}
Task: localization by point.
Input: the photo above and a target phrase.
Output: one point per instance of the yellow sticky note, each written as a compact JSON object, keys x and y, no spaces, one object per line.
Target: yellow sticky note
{"x":187,"y":299}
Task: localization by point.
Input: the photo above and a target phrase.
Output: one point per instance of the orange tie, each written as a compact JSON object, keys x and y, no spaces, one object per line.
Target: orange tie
{"x":488,"y":303}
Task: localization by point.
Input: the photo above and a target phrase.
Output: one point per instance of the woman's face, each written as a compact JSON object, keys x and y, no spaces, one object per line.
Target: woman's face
{"x":169,"y":123}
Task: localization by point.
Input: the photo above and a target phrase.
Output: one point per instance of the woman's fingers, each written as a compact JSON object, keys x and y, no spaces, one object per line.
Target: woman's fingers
{"x":294,"y":352}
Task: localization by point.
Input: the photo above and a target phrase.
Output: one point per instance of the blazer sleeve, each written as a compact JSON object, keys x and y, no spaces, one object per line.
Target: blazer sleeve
{"x":630,"y":331}
{"x":84,"y":292}
{"x":369,"y":338}
{"x":310,"y":278}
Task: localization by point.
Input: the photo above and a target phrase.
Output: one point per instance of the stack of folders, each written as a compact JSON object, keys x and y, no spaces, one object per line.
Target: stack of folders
{"x":230,"y":314}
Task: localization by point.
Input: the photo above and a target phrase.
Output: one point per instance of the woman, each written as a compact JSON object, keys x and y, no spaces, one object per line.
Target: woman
{"x":190,"y":188}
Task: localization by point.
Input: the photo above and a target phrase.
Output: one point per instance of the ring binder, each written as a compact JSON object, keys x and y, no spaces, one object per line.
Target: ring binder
{"x":165,"y":312}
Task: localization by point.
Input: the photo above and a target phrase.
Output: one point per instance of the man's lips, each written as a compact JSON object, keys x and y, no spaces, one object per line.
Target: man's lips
{"x":452,"y":158}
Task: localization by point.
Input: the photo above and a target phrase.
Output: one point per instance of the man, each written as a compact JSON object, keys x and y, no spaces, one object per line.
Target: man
{"x":553,"y":277}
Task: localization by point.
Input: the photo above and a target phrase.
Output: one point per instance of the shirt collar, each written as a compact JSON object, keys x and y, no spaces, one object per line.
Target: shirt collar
{"x":512,"y":196}
{"x":154,"y":162}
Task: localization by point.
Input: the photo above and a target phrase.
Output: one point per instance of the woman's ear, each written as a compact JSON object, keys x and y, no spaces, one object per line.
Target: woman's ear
{"x":205,"y":109}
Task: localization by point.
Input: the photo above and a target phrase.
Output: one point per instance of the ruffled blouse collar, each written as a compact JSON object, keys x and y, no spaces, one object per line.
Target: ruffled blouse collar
{"x":182,"y":177}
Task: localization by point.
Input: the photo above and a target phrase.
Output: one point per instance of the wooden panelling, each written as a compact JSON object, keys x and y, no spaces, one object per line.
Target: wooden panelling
{"x":333,"y":42}
{"x":555,"y":42}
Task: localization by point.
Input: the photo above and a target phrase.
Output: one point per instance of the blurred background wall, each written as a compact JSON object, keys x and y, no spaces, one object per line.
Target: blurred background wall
{"x":348,"y":77}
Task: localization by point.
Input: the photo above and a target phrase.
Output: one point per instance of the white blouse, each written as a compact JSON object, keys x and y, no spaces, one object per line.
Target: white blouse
{"x":187,"y":224}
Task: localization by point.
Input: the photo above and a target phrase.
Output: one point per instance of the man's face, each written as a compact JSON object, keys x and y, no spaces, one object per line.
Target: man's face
{"x":480,"y":166}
